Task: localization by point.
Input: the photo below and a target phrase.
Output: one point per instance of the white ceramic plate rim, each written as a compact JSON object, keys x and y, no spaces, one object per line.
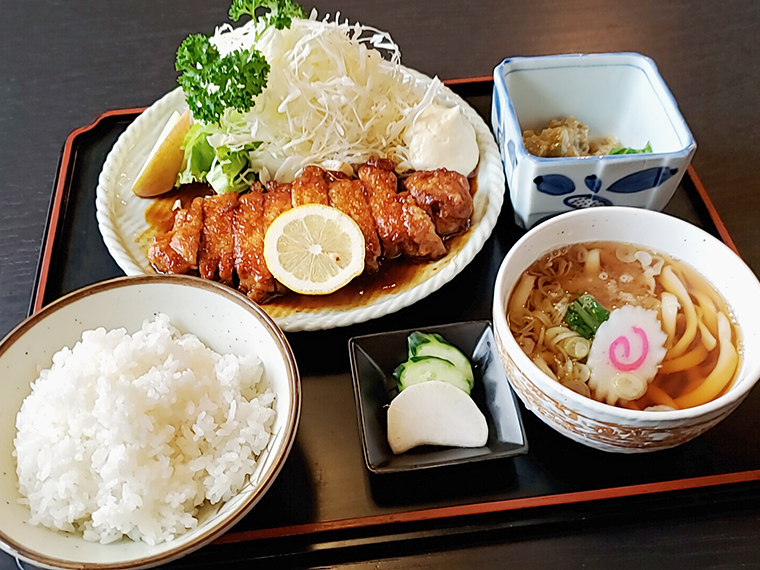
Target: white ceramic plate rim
{"x":118,"y":210}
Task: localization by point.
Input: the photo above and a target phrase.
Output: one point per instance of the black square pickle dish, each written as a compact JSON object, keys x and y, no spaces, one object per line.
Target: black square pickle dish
{"x":373,"y":359}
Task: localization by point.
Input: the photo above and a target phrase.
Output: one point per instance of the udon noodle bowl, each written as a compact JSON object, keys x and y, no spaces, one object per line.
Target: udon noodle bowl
{"x":626,"y":326}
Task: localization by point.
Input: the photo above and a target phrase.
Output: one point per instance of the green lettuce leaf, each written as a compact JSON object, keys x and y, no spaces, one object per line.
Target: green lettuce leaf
{"x":224,"y":168}
{"x":199,"y":154}
{"x":231,"y":171}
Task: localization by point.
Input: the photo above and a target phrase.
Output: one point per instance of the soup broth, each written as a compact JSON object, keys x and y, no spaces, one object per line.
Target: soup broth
{"x":669,"y":341}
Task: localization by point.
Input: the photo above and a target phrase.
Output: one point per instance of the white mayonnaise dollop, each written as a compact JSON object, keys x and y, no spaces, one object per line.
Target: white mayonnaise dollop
{"x":442,"y":137}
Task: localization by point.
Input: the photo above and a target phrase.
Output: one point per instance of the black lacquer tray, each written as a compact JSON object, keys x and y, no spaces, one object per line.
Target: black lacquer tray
{"x":325,"y":499}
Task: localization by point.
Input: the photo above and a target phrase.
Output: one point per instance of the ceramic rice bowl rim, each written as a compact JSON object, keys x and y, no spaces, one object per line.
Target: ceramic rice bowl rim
{"x":597,"y":411}
{"x":254,"y":494}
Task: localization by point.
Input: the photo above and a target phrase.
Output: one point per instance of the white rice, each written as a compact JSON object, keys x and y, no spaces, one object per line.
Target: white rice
{"x":126,"y":435}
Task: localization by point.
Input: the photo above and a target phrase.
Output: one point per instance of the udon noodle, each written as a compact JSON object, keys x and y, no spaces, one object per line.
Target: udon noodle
{"x":669,"y":341}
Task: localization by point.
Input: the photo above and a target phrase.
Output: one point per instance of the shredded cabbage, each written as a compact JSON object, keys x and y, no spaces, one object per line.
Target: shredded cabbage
{"x":330,"y":97}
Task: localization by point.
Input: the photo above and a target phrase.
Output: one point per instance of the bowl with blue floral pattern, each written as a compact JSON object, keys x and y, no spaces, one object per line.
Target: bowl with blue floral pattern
{"x":586,"y":130}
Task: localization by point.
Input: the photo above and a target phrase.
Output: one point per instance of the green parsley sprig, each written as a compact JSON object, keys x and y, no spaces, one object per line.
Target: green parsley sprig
{"x":213,"y":83}
{"x":277,"y":13}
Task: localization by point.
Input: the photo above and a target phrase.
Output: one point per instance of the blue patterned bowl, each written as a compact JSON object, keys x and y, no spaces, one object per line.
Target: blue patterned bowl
{"x":617,"y":94}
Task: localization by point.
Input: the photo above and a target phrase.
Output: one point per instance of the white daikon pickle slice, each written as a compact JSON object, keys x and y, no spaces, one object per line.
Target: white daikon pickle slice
{"x":435,"y":413}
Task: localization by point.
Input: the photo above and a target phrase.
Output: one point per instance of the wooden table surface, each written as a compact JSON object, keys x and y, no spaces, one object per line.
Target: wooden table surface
{"x":63,"y":62}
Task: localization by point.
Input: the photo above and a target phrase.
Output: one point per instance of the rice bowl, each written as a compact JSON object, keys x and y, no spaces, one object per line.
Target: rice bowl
{"x":127,"y":435}
{"x":225,"y":322}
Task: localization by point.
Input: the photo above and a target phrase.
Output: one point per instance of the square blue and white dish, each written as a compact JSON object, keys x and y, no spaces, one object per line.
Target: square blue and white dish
{"x":373,"y":360}
{"x":614,"y":94}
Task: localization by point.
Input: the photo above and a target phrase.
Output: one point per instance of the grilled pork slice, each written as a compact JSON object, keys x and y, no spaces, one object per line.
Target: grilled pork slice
{"x":274,"y":186}
{"x":380,"y":187}
{"x":310,"y":187}
{"x":348,"y":197}
{"x":255,"y":280}
{"x":177,"y":250}
{"x":445,"y":197}
{"x":275,"y":203}
{"x":216,"y":257}
{"x":403,"y":227}
{"x":422,"y":240}
{"x":255,"y":212}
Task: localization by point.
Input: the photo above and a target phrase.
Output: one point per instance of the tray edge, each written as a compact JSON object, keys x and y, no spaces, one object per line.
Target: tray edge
{"x":48,"y":242}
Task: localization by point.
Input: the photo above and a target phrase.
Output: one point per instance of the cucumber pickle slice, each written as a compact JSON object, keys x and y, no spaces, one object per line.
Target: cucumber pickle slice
{"x":426,"y":368}
{"x":431,"y":344}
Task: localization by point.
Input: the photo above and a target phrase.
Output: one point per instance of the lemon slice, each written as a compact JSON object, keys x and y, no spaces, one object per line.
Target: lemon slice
{"x":159,"y":173}
{"x":314,"y":249}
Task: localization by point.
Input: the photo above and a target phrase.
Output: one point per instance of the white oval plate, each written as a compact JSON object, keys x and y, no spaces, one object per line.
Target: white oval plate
{"x":121,"y":214}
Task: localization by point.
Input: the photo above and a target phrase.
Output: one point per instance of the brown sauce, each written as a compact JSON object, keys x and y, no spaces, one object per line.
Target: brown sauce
{"x":394,"y":276}
{"x":159,"y":215}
